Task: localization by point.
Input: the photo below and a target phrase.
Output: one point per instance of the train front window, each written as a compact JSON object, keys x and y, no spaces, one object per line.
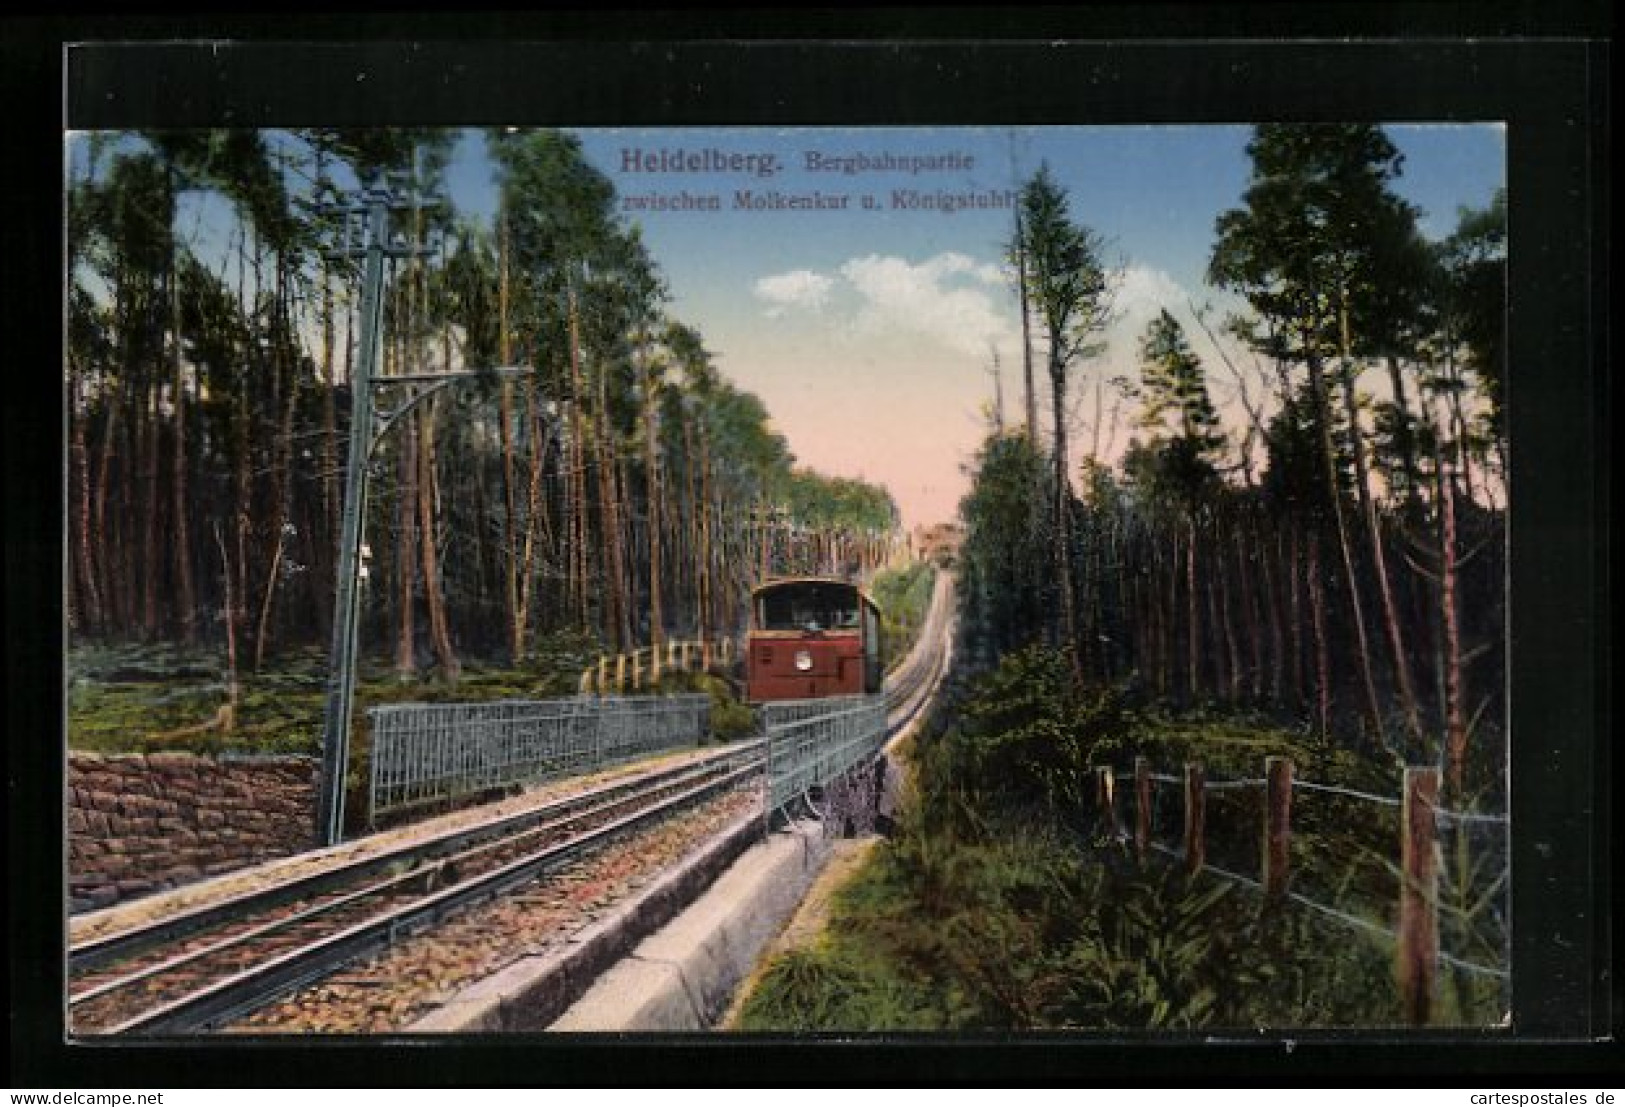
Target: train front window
{"x":808,"y":608}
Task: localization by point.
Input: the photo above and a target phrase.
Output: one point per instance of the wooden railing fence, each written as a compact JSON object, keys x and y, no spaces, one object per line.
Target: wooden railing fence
{"x":624,"y":672}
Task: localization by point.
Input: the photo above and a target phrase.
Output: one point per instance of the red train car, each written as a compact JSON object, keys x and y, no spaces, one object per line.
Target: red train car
{"x":812,"y":637}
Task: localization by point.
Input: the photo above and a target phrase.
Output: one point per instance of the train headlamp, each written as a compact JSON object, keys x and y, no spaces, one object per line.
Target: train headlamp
{"x":803,"y":661}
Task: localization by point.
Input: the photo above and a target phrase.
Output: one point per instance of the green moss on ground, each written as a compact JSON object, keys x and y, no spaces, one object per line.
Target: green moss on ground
{"x":134,"y":698}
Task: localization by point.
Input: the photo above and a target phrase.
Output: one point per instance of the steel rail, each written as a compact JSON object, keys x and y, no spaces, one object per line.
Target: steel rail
{"x":97,"y":952}
{"x":224,"y":1000}
{"x":377,"y":893}
{"x":920,"y":672}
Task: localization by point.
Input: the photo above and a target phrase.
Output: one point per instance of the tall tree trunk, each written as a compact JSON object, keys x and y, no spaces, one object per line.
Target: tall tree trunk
{"x":94,"y":621}
{"x":1345,"y":546}
{"x":578,"y":466}
{"x":516,"y":610}
{"x":125,"y":551}
{"x":406,"y":546}
{"x":652,"y":493}
{"x":1062,"y":512}
{"x":1454,"y":691}
{"x":103,"y":563}
{"x":1296,"y":579}
{"x":151,"y":562}
{"x":1193,"y":620}
{"x":1026,"y":335}
{"x":244,"y":431}
{"x":186,"y":592}
{"x":620,"y":503}
{"x":433,"y":590}
{"x":323,"y":559}
{"x":1373,"y":527}
{"x":693,"y":598}
{"x":1252,"y":621}
{"x":533,"y":512}
{"x":707,"y":609}
{"x":1458,"y":418}
{"x":1170,"y":609}
{"x":1278,"y":662}
{"x":233,"y":618}
{"x":1223,"y":674}
{"x":1405,"y":439}
{"x":282,"y":466}
{"x":1317,"y":616}
{"x":1230,"y":598}
{"x":510,"y":552}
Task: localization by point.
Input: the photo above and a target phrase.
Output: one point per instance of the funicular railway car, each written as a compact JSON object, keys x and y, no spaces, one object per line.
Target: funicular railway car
{"x":812,"y":637}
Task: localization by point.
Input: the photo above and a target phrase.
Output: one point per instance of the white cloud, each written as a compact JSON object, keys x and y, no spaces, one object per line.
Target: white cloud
{"x":799,"y":288}
{"x":1141,"y":294}
{"x":942,"y":298}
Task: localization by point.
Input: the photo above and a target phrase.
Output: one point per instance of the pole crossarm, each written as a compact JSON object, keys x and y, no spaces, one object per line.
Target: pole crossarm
{"x":429,"y":384}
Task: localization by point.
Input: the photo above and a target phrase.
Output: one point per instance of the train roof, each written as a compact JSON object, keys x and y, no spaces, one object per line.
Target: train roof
{"x":781,"y":582}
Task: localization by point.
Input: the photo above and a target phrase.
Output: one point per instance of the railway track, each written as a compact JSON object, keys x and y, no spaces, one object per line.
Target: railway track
{"x":200,"y":970}
{"x":913,"y":684}
{"x":245,"y":962}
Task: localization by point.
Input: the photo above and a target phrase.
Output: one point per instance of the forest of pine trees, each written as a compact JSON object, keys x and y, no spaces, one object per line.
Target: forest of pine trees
{"x":1326,"y":543}
{"x":1332,"y":551}
{"x":623,"y":490}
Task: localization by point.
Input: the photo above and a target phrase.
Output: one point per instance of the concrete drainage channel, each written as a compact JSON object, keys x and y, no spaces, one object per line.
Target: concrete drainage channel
{"x":668,"y":960}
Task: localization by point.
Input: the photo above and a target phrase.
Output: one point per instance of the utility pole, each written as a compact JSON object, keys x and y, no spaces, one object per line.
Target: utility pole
{"x":365,"y":233}
{"x":373,"y":215}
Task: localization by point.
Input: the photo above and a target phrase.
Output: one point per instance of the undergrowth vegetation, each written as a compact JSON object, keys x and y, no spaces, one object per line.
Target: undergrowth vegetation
{"x":1005,"y":901}
{"x":904,"y":597}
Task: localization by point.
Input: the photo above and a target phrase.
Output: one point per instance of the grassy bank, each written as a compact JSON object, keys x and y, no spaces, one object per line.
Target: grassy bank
{"x":1004,"y":902}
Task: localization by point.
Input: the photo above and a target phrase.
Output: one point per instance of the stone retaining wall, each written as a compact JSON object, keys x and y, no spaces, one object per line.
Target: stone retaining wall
{"x":140,"y":823}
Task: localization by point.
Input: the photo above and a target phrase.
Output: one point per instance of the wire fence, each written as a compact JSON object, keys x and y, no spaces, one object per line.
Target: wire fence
{"x":428,"y":752}
{"x":1403,"y":870}
{"x":1345,"y":850}
{"x":777,"y":713}
{"x":812,"y":742}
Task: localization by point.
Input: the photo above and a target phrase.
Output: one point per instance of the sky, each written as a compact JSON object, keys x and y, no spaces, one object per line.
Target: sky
{"x":869,"y":322}
{"x":853,"y":278}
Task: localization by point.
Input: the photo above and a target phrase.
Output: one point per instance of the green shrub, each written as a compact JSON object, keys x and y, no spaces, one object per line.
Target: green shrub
{"x":991,"y":908}
{"x":1030,"y":733}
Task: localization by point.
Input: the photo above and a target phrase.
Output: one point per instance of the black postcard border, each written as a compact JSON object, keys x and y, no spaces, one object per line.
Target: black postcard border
{"x":1551,"y":92}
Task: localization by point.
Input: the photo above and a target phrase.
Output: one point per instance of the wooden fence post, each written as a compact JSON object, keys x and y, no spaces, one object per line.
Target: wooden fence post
{"x":1418,"y":895}
{"x":603,"y":675}
{"x":620,"y":672}
{"x":1195,"y":818}
{"x":1142,"y":807}
{"x":1277,"y":825}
